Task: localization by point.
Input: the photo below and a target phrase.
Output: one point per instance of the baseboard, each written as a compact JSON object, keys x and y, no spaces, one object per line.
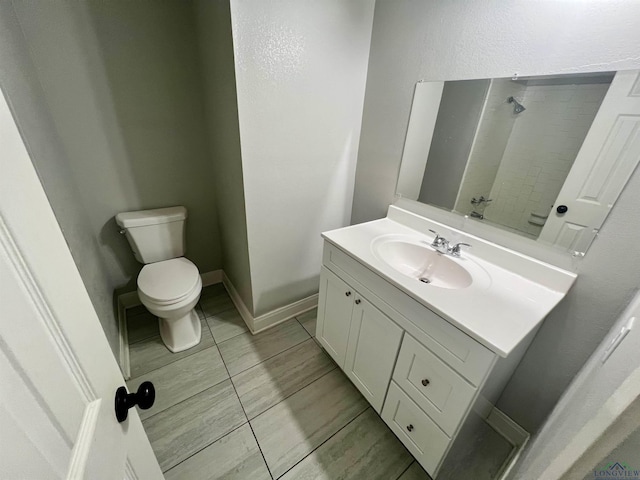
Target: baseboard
{"x":513,"y":433}
{"x":126,"y":300}
{"x":269,"y":319}
{"x":211,"y":278}
{"x":279,"y":315}
{"x":255,"y":324}
{"x":245,"y":313}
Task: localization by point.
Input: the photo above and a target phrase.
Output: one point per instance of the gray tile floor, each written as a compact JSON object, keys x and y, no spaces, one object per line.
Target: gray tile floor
{"x":273,"y":405}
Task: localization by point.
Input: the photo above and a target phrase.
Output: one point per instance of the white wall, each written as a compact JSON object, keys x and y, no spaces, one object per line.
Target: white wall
{"x":433,"y":40}
{"x":458,"y":40}
{"x":216,"y":52}
{"x":300,"y":71}
{"x":110,"y":93}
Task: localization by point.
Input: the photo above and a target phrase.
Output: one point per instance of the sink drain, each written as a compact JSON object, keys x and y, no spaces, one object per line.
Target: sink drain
{"x":425,"y":280}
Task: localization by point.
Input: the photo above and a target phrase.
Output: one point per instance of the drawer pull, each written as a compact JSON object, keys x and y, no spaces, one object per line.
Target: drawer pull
{"x":410,"y":427}
{"x":348,"y":294}
{"x":425,"y":382}
{"x":358,"y":301}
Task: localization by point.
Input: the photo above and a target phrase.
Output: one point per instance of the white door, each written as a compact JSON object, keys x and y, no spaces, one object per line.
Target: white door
{"x":374,"y":341}
{"x":608,"y":156}
{"x":58,"y":376}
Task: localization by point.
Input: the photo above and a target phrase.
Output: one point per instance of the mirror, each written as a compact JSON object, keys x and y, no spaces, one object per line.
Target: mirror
{"x":544,"y":157}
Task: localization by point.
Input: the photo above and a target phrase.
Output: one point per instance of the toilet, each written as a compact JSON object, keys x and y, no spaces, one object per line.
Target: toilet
{"x":169,"y":285}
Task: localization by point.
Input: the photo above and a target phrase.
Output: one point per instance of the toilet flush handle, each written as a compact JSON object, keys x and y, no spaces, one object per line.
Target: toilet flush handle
{"x":123,"y":232}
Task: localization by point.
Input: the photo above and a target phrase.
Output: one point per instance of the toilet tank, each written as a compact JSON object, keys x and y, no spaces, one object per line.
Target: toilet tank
{"x":155,"y":235}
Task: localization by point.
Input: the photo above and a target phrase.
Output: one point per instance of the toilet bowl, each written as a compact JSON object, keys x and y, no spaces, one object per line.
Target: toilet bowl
{"x":169,"y":285}
{"x":170,"y":290}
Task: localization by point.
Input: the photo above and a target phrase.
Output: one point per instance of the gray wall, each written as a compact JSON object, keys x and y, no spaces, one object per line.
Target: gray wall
{"x":20,"y":84}
{"x":431,"y":40}
{"x":216,"y":53}
{"x":456,"y":125}
{"x":108,"y":99}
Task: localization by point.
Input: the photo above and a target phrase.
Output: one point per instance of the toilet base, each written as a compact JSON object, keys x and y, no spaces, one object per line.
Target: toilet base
{"x":181,"y":333}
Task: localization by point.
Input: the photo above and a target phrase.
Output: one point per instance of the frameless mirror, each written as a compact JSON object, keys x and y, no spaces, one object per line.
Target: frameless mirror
{"x":545,"y":157}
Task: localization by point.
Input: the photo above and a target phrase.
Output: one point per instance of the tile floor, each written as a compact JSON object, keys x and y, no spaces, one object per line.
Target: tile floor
{"x":273,"y":405}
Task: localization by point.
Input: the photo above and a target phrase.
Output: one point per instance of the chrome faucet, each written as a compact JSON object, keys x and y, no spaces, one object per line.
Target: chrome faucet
{"x":441,"y":245}
{"x":455,"y":250}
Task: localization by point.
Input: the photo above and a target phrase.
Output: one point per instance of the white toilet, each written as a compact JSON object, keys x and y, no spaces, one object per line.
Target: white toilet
{"x":169,"y":285}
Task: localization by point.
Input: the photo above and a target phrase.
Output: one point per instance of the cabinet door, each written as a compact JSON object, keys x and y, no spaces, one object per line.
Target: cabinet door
{"x":335,"y":306}
{"x":374,"y":341}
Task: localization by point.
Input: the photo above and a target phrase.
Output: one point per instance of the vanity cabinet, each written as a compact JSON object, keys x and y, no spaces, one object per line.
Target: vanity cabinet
{"x":362,"y":340}
{"x":421,"y":374}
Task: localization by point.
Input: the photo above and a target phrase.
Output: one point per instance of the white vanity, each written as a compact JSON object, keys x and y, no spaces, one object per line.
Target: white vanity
{"x":431,"y":358}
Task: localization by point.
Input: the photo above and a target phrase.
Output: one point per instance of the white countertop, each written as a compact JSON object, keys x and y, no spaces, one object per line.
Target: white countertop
{"x":498,"y":310}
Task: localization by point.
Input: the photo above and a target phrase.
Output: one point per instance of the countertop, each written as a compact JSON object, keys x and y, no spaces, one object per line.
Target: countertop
{"x":499,"y":309}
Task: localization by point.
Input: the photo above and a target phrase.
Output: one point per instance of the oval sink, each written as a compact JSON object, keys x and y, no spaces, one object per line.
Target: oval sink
{"x":422,"y":263}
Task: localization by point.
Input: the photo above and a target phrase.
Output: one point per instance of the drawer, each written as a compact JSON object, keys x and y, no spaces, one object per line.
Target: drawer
{"x":461,"y":352}
{"x":435,"y":387}
{"x":422,"y":437}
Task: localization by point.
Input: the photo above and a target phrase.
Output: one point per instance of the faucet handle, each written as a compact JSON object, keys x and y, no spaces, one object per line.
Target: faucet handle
{"x":438,"y":240}
{"x":455,"y":250}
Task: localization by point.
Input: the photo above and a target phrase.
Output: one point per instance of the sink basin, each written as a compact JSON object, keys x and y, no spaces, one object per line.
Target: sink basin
{"x":420,"y":261}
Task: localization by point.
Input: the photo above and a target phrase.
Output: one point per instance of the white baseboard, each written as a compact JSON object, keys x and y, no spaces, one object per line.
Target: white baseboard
{"x":279,"y":315}
{"x":513,"y":433}
{"x":255,"y":324}
{"x":245,"y":313}
{"x":211,"y":278}
{"x":272,"y":318}
{"x":126,"y":300}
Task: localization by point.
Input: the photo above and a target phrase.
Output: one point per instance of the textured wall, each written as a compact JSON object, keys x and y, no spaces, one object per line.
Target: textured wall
{"x":120,"y":84}
{"x":301,"y":68}
{"x":20,"y":84}
{"x":456,"y":40}
{"x":582,"y":401}
{"x":216,"y":51}
{"x":432,"y":40}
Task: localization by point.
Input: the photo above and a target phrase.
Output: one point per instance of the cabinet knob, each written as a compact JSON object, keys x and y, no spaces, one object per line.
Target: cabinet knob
{"x":358,"y":301}
{"x":348,"y":294}
{"x":410,"y":427}
{"x":425,"y":382}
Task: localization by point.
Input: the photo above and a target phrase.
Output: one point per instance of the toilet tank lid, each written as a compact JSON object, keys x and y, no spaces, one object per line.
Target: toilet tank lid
{"x":155,"y":216}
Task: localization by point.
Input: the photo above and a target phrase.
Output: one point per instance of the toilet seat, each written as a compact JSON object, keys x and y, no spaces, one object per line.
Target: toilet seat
{"x":169,"y":282}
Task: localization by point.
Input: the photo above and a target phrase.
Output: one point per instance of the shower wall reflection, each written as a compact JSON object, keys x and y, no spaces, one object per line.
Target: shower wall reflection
{"x":503,"y":166}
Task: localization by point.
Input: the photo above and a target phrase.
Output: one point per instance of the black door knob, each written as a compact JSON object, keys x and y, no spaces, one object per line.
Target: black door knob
{"x":562,"y":209}
{"x":144,"y":398}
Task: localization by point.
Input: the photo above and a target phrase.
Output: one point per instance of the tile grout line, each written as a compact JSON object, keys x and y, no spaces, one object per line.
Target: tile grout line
{"x":186,"y":356}
{"x":206,"y":446}
{"x":292,"y":394}
{"x":247,"y":417}
{"x":190,"y":397}
{"x":268,"y":358}
{"x":176,"y":360}
{"x":245,"y":423}
{"x":405,"y":470}
{"x":329,"y":438}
